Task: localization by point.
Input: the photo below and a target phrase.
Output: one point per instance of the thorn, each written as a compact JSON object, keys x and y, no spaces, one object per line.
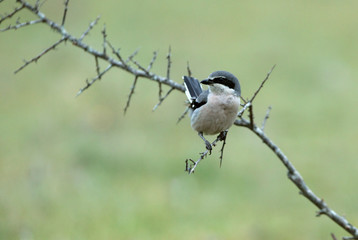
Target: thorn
{"x":131,"y":94}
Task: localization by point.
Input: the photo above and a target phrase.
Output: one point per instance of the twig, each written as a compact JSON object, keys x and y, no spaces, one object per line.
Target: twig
{"x":77,"y":42}
{"x":242,"y":99}
{"x":222,"y":137}
{"x":155,"y":53}
{"x":10,"y":15}
{"x":139,"y":66}
{"x":35,"y":59}
{"x":188,"y":68}
{"x":248,"y":103}
{"x":90,"y":27}
{"x":266,"y":118}
{"x":183,"y":114}
{"x":20,"y":25}
{"x":297,"y":179}
{"x":251,"y":116}
{"x":97,"y":66}
{"x":65,"y":13}
{"x":39,"y":4}
{"x":130,"y":94}
{"x":88,"y":84}
{"x":190,"y":167}
{"x":160,"y":92}
{"x":162,"y":99}
{"x":242,"y":110}
{"x":262,"y":83}
{"x":132,"y":56}
{"x":116,"y":52}
{"x":104,"y":34}
{"x":169,"y":60}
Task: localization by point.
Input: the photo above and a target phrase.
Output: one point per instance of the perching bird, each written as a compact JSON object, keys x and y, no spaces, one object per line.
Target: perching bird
{"x":213,"y":111}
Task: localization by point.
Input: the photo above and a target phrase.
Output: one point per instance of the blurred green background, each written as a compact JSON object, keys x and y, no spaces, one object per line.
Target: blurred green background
{"x":78,"y":168}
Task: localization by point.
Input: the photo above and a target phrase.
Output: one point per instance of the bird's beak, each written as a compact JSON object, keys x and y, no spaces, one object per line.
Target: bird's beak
{"x":207,"y":81}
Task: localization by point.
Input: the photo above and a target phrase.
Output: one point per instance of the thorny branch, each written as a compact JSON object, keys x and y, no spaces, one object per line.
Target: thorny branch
{"x":297,"y":179}
{"x":266,"y":118}
{"x":114,"y":59}
{"x":130,"y":94}
{"x":65,"y":13}
{"x":262,"y":83}
{"x":35,"y":59}
{"x":161,"y":99}
{"x":190,"y":165}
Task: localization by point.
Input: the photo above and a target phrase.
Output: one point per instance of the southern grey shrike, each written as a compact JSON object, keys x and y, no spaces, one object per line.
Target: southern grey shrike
{"x":213,"y":111}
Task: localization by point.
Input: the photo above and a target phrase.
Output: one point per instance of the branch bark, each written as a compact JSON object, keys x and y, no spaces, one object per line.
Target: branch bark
{"x":297,"y":179}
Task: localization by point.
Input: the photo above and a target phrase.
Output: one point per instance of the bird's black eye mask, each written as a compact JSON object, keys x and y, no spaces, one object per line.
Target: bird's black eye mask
{"x":224,"y":81}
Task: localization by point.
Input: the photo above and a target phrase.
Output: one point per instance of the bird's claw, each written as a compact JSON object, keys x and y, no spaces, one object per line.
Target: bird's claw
{"x":222,"y":136}
{"x":208,"y":147}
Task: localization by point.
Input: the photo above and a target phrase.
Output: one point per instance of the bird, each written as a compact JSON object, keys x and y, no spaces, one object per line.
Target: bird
{"x":213,"y":111}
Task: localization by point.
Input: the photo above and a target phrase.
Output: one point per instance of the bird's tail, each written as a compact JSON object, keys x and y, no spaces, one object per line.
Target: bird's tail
{"x":193,"y":88}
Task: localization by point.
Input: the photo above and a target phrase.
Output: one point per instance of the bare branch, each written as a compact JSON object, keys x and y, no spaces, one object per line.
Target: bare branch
{"x":90,"y":27}
{"x":97,"y":66}
{"x":162,"y":99}
{"x":266,"y":118}
{"x":169,"y":62}
{"x":116,"y":52}
{"x":88,"y":84}
{"x":132,"y":56}
{"x":248,"y":103}
{"x":39,"y":4}
{"x":152,"y":61}
{"x":242,"y":99}
{"x":183,"y":114}
{"x":10,"y":15}
{"x":20,"y":25}
{"x":251,"y":116}
{"x":139,"y":66}
{"x":104,"y":34}
{"x":262,"y":83}
{"x":297,"y":179}
{"x":131,"y":94}
{"x":222,"y":137}
{"x":188,"y":69}
{"x":190,"y":165}
{"x":160,"y":92}
{"x":77,"y":42}
{"x":242,"y":110}
{"x":35,"y":59}
{"x":350,"y":238}
{"x":65,"y":13}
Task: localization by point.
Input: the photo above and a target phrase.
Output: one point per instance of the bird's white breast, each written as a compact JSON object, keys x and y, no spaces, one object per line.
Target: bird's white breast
{"x":217,"y":115}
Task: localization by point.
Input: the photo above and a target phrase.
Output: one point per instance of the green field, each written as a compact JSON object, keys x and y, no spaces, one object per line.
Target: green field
{"x":78,"y":168}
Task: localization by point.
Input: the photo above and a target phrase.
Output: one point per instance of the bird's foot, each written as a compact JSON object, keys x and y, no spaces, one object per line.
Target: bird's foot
{"x":208,"y":146}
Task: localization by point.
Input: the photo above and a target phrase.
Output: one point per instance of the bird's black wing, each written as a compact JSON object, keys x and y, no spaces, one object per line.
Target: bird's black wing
{"x":193,"y":88}
{"x":194,"y":92}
